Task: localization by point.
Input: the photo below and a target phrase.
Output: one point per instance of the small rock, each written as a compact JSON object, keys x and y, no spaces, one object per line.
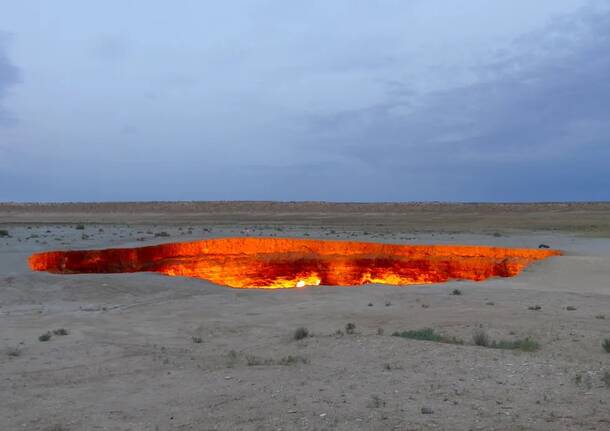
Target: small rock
{"x":570,"y":308}
{"x":543,"y":246}
{"x":426,"y":411}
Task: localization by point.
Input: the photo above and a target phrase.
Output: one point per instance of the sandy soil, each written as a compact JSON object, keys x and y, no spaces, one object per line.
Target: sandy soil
{"x":148,"y":352}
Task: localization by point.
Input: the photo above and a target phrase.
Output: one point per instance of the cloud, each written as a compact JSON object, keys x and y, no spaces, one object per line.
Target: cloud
{"x":462,"y":102}
{"x":9,"y":76}
{"x":541,"y":108}
{"x":110,"y":48}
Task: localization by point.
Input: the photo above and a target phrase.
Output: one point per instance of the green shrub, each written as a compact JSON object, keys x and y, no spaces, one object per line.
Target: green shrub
{"x":479,"y":338}
{"x":427,"y":334}
{"x":606,"y":345}
{"x":253,"y":361}
{"x":292,"y":360}
{"x":232,"y":358}
{"x":376,"y":402}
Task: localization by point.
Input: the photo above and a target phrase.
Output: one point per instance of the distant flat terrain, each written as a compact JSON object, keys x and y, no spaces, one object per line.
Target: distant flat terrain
{"x":577,"y":218}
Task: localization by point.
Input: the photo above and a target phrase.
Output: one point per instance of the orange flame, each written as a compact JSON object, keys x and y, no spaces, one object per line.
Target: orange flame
{"x":287,"y":262}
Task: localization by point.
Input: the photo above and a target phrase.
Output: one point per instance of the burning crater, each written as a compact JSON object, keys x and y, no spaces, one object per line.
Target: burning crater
{"x":286,"y":262}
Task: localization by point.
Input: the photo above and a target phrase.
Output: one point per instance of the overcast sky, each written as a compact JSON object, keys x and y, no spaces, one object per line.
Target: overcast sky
{"x":341,"y":100}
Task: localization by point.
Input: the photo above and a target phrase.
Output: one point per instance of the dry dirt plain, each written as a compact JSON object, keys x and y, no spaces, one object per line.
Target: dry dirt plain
{"x":148,"y":352}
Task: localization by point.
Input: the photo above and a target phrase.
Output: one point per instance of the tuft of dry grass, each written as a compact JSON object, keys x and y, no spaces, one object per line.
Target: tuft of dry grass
{"x":606,"y":379}
{"x":300,"y":333}
{"x":350,"y":328}
{"x":252,"y":360}
{"x":375,"y":402}
{"x":13,"y":352}
{"x":525,"y":345}
{"x":480,"y":338}
{"x":427,"y":334}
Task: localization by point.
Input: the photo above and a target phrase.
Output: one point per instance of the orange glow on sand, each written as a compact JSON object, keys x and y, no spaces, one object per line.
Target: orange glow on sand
{"x":289,"y":262}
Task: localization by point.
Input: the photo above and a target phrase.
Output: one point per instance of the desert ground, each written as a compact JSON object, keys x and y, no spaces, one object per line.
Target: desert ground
{"x":149,"y":352}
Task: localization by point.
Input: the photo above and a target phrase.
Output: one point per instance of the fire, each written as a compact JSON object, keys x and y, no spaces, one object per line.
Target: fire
{"x":312,"y":280}
{"x":274,"y":263}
